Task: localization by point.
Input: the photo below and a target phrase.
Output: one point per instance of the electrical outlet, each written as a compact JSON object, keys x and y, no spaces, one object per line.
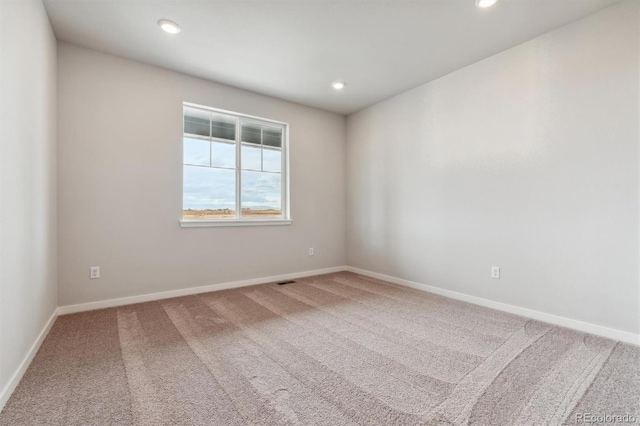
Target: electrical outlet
{"x":311,"y":251}
{"x":495,"y":272}
{"x":94,"y":272}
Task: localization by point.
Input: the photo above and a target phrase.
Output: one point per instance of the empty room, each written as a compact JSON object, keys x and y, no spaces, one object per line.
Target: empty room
{"x":319,"y":212}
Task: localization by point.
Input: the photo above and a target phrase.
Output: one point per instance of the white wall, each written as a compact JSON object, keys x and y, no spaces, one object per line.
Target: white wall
{"x":527,"y":160}
{"x":28,"y":290}
{"x":120,"y":184}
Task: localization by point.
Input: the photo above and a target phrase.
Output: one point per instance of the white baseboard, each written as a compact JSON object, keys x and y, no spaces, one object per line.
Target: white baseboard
{"x":599,"y":330}
{"x":5,"y":394}
{"x":91,"y":306}
{"x":529,"y":313}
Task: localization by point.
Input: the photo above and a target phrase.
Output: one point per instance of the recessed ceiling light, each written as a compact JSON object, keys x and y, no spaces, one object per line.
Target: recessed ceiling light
{"x":485,"y":3}
{"x":169,"y":26}
{"x":338,"y":85}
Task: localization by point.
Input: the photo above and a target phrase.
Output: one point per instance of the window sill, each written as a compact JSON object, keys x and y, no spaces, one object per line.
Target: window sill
{"x":216,"y":223}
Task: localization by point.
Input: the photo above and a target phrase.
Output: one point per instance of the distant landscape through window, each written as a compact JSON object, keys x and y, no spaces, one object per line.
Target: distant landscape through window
{"x":233,"y":166}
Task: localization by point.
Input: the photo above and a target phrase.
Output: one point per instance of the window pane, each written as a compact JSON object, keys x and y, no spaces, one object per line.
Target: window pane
{"x":197,"y":121}
{"x":209,"y":193}
{"x":251,"y":157}
{"x":196,"y":151}
{"x":251,"y":133}
{"x":271,"y":160}
{"x":261,"y":194}
{"x":223,"y":154}
{"x":223,"y":127}
{"x":272,"y":137}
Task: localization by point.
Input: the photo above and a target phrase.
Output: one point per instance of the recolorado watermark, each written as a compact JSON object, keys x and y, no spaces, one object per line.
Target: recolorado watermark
{"x":592,"y":418}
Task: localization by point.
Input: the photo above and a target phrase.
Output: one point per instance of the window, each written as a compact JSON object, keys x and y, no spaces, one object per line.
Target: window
{"x":234,"y":169}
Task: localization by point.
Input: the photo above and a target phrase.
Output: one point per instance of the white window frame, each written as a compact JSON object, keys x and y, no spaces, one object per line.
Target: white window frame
{"x":285,"y":219}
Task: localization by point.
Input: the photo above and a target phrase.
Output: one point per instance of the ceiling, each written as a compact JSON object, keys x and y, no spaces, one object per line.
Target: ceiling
{"x":294,"y":49}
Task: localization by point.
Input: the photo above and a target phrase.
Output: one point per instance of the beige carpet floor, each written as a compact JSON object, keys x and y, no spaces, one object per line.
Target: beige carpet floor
{"x":337,"y":349}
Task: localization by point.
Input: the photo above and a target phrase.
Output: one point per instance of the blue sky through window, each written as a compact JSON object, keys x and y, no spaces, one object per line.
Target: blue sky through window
{"x":214,"y":188}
